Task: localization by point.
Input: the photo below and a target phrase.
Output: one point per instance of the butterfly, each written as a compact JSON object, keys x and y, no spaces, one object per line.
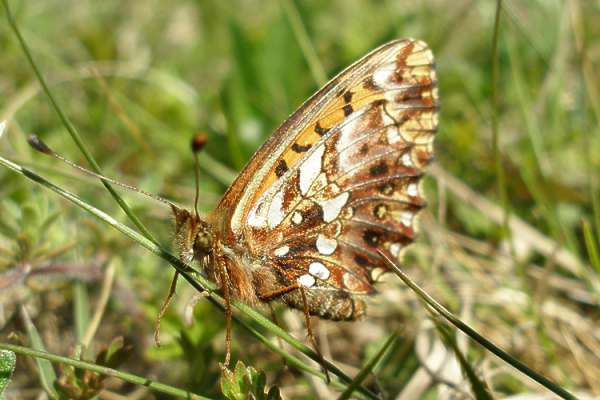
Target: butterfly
{"x":332,"y":193}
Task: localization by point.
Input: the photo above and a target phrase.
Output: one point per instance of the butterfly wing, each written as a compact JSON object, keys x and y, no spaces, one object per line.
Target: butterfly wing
{"x":339,"y":180}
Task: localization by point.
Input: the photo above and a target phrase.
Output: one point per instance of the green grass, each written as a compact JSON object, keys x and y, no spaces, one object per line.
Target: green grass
{"x":138,"y":79}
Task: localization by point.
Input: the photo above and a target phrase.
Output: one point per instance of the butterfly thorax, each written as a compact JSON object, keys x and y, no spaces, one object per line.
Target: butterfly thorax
{"x":196,"y":241}
{"x":193,"y":237}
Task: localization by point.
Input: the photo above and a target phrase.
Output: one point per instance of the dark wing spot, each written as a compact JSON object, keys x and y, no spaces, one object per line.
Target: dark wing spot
{"x":370,"y":85}
{"x":281,"y":168}
{"x":301,"y":248}
{"x":380,"y":211}
{"x":361,"y":260}
{"x":348,"y":97}
{"x":410,"y":95}
{"x":425,"y":158}
{"x":371,"y":237}
{"x":379,"y":103}
{"x":347,"y":109}
{"x":298,"y":148}
{"x":319,"y":130}
{"x":379,"y":169}
{"x":402,"y":56}
{"x":364,"y":149}
{"x":387,"y":189}
{"x":312,"y":216}
{"x":397,"y":77}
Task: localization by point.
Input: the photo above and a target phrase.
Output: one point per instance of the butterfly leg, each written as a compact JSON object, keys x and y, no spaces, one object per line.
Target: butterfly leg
{"x":310,"y":334}
{"x":287,"y":289}
{"x":267,"y":297}
{"x":164,"y":307}
{"x":224,"y":278}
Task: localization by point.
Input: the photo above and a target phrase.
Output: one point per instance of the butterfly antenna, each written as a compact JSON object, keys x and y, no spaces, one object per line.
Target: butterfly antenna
{"x":37,"y":144}
{"x":198,"y":143}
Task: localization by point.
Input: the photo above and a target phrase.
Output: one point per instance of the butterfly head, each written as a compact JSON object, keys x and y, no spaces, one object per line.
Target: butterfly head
{"x":193,"y":236}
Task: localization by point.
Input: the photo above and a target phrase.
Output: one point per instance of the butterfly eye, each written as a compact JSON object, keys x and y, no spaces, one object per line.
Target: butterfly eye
{"x":203,"y":243}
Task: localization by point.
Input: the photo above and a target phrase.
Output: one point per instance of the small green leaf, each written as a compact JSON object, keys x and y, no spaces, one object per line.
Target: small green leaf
{"x":258,"y":383}
{"x":246,"y":383}
{"x":229,"y":386}
{"x":115,"y":354}
{"x":8,"y":361}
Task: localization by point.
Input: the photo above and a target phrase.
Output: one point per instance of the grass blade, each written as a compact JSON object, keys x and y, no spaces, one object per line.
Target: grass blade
{"x":69,"y":126}
{"x":473,"y":334}
{"x":101,"y":304}
{"x":366,"y":370}
{"x":479,"y":387}
{"x":501,"y":187}
{"x":46,"y":371}
{"x":43,"y":356}
{"x":316,"y":68}
{"x":81,"y":309}
{"x":591,"y":245}
{"x":589,"y":77}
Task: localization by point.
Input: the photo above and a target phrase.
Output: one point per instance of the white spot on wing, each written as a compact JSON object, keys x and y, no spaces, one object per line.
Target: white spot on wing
{"x":333,"y":207}
{"x":351,"y":282}
{"x":319,"y":270}
{"x":282,"y":251}
{"x":310,"y":169}
{"x":2,"y":127}
{"x":276,"y":214}
{"x":382,"y":75}
{"x":395,"y":249}
{"x":349,"y":132}
{"x":306,"y":280}
{"x":406,"y":218}
{"x":296,"y":218}
{"x":392,"y":135}
{"x":377,"y":273}
{"x":407,"y":160}
{"x":325,"y":245}
{"x":257,"y":217}
{"x":412,"y":190}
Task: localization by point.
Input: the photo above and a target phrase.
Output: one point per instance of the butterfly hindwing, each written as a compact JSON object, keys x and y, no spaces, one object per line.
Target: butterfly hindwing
{"x":339,"y":181}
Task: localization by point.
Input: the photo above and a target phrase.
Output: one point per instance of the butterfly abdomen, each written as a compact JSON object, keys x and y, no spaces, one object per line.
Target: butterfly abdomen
{"x":335,"y":305}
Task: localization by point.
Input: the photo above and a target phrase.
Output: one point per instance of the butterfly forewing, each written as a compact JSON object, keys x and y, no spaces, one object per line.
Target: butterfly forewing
{"x":339,"y":181}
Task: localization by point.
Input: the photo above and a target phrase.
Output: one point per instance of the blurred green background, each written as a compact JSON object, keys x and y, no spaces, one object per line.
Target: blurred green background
{"x":139,"y":78}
